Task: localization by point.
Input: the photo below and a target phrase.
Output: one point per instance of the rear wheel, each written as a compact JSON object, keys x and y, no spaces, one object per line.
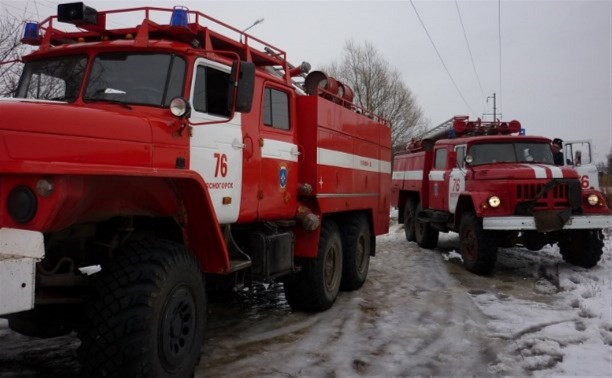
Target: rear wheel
{"x":316,"y":286}
{"x":356,"y":249}
{"x":409,"y":219}
{"x":478,"y":247}
{"x":425,"y":235}
{"x":147,"y":313}
{"x":582,"y":247}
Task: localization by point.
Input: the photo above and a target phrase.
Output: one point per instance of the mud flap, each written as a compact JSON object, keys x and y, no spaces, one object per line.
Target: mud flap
{"x":551,"y":220}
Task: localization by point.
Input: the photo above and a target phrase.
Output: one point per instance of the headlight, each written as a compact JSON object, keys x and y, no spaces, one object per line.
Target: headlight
{"x":494,"y":201}
{"x":179,"y":107}
{"x":593,"y":199}
{"x":21,"y":204}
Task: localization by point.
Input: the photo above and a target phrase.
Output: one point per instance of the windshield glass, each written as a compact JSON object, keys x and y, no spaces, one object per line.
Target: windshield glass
{"x":57,"y":79}
{"x":519,"y":152}
{"x":148,"y":79}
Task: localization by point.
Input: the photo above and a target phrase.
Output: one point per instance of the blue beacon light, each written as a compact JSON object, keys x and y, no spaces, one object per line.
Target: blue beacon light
{"x":179,"y":16}
{"x":30,"y":31}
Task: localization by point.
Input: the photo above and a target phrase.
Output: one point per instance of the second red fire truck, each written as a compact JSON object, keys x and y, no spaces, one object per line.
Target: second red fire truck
{"x":135,"y":160}
{"x":496,"y":188}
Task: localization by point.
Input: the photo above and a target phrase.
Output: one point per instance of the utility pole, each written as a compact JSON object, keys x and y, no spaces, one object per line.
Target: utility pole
{"x":494,"y":108}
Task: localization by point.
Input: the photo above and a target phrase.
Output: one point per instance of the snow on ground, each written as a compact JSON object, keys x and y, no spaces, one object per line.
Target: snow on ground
{"x":563,"y":326}
{"x":419,"y":313}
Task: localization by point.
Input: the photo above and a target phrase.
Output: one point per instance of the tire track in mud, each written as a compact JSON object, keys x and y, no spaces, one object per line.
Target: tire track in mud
{"x":410,"y":318}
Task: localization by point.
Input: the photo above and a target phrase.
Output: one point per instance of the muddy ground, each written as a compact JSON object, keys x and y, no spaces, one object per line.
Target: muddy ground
{"x":419,"y":313}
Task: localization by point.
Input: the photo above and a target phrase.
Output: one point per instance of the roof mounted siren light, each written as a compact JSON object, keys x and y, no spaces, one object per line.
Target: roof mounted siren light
{"x":180,"y":16}
{"x":30,"y":32}
{"x":77,"y":14}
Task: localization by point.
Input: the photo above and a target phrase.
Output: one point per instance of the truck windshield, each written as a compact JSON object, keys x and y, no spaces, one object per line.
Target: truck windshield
{"x":147,"y":79}
{"x":519,"y":152}
{"x":56,"y":79}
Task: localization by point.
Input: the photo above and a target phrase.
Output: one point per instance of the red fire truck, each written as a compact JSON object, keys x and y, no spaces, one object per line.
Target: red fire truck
{"x":135,"y":160}
{"x":496,"y":189}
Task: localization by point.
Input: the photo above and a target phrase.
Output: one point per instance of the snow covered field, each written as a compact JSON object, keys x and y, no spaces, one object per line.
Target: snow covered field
{"x":419,"y":313}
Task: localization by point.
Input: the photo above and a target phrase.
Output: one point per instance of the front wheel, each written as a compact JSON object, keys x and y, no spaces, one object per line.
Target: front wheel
{"x":478,"y":247}
{"x":147,"y":313}
{"x":582,"y":247}
{"x":316,"y":286}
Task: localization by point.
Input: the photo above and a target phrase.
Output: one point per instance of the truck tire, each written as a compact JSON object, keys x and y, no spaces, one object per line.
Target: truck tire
{"x":582,"y":247}
{"x":478,"y":247}
{"x":356,"y":249}
{"x":410,"y":219}
{"x":318,"y":283}
{"x":425,"y":235}
{"x":147,"y":313}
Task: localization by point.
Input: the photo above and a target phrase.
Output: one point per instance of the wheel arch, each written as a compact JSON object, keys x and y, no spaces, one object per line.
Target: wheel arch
{"x":180,"y":203}
{"x":464,"y":205}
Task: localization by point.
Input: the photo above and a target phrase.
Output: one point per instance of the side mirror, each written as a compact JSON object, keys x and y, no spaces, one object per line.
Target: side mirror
{"x":469,"y":159}
{"x":241,"y":87}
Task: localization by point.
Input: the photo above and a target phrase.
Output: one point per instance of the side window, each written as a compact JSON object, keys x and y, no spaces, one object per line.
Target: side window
{"x":210,"y":91}
{"x":460,"y":156}
{"x":440,"y":162}
{"x":275,"y":110}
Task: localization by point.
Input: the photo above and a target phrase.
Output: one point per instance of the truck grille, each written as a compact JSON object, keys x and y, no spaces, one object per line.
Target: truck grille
{"x":558,"y":196}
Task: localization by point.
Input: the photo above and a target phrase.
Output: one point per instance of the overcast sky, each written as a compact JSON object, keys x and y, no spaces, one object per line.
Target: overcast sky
{"x":556,"y":67}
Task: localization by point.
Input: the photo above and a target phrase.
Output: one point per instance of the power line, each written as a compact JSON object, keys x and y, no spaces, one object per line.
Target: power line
{"x":36,"y":7}
{"x":500,"y":51}
{"x":24,"y":11}
{"x":441,"y":60}
{"x":469,"y":50}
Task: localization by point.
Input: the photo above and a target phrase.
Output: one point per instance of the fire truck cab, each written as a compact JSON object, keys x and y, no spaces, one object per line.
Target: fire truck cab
{"x":138,"y":160}
{"x":496,"y":189}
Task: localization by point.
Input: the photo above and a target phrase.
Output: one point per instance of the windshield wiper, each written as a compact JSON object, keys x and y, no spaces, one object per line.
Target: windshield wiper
{"x":121,"y":103}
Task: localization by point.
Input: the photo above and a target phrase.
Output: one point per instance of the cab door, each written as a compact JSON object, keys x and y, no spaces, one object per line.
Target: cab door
{"x":438,"y":181}
{"x":279,"y":154}
{"x":216,"y":149}
{"x":456,"y":180}
{"x":578,"y":155}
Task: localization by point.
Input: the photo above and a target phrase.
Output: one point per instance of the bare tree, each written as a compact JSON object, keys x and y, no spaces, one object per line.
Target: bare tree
{"x":379,"y":88}
{"x":11,"y":49}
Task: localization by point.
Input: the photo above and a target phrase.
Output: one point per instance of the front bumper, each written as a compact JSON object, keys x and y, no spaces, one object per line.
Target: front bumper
{"x":582,"y":222}
{"x":19,"y":252}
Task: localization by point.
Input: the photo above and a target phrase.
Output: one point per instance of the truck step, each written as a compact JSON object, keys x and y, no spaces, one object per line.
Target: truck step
{"x":239,"y":264}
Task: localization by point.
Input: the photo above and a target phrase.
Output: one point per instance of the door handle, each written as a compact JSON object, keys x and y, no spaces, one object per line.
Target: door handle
{"x":238,"y":144}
